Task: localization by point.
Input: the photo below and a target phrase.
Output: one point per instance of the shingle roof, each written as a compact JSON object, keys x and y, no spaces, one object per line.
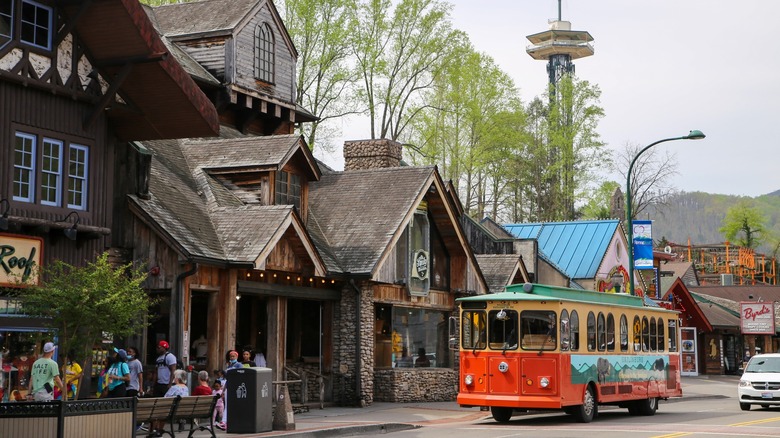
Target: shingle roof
{"x":202,"y":16}
{"x":719,"y":312}
{"x":576,"y":247}
{"x":498,"y":269}
{"x":201,"y":215}
{"x":346,"y":209}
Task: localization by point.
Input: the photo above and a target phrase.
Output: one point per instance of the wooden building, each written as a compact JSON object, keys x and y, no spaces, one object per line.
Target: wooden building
{"x":77,"y":81}
{"x":251,"y":242}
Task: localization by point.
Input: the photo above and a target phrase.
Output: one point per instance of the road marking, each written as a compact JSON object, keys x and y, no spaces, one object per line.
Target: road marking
{"x":748,"y":423}
{"x":674,"y":435}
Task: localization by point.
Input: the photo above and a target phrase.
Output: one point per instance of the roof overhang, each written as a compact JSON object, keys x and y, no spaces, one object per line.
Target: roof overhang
{"x":162,"y":99}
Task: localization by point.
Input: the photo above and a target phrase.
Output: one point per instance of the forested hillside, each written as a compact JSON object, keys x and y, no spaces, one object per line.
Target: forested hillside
{"x":699,"y":215}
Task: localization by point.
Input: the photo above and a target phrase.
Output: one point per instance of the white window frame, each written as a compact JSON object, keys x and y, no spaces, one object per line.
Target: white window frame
{"x":10,"y":35}
{"x":57,"y":172}
{"x":84,"y":179}
{"x":30,"y":171}
{"x":36,"y":25}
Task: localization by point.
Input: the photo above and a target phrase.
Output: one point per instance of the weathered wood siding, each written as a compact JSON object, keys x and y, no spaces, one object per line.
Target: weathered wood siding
{"x":210,"y":53}
{"x":283,"y":86}
{"x":38,"y":112}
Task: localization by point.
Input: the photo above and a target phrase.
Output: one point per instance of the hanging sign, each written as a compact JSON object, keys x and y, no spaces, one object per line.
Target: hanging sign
{"x":420,"y":266}
{"x":20,"y":257}
{"x":757,"y":318}
{"x":643,"y":244}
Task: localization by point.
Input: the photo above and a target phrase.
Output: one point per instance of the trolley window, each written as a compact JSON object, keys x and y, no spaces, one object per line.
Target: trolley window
{"x":661,"y":339}
{"x":653,"y":335}
{"x":610,"y":332}
{"x":591,"y":331}
{"x":601,"y":332}
{"x":474,"y":330}
{"x":672,"y":335}
{"x":565,"y":330}
{"x":637,"y":334}
{"x":645,"y":334}
{"x":503,"y":329}
{"x":538,"y":330}
{"x":574,"y":323}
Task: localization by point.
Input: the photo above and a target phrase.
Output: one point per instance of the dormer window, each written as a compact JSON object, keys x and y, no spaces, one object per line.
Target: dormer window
{"x":288,"y":189}
{"x":6,"y":22}
{"x":36,"y":24}
{"x":264,"y":53}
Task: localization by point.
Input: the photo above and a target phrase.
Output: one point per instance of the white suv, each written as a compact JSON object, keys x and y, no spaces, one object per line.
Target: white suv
{"x":760,"y":383}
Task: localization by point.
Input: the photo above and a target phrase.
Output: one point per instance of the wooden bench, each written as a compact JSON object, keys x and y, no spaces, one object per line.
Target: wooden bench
{"x":171,"y":410}
{"x":195,"y":409}
{"x":148,"y":410}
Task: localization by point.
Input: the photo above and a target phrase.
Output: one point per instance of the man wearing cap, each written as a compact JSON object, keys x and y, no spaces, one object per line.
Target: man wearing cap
{"x":166,"y":365}
{"x":45,"y":373}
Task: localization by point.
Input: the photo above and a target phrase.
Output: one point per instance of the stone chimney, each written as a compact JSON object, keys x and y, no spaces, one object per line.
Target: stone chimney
{"x":371,"y":154}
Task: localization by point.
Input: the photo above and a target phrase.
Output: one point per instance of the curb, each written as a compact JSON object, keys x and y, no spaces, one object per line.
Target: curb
{"x":352,"y":430}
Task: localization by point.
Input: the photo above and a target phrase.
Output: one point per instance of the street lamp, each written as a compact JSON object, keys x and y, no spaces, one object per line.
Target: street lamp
{"x":693,"y":135}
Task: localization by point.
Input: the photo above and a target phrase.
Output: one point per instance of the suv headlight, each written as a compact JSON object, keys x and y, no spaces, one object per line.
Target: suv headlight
{"x":744,"y":384}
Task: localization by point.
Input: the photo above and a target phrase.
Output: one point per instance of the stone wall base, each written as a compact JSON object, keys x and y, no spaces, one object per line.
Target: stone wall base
{"x":398,"y":385}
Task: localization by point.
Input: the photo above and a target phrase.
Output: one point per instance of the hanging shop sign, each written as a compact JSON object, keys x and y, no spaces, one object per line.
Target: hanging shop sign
{"x":20,"y":257}
{"x":757,"y":318}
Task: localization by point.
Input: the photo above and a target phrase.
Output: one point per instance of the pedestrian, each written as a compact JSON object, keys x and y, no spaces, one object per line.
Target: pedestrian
{"x":135,"y":387}
{"x":72,"y":372}
{"x":102,"y":385}
{"x":44,"y":375}
{"x":118,"y":375}
{"x":203,"y":387}
{"x":422,"y":359}
{"x":247,"y":358}
{"x":179,"y":386}
{"x":219,"y":409}
{"x":166,"y":365}
{"x":233,"y":362}
{"x":260,"y":359}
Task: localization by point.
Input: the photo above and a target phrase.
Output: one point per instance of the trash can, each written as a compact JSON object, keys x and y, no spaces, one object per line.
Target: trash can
{"x":249,"y":400}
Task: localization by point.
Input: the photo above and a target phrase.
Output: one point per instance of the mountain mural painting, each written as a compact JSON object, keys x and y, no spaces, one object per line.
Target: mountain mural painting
{"x":618,"y":368}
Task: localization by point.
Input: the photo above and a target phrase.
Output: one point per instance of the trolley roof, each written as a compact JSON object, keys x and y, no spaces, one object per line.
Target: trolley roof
{"x":536,"y":292}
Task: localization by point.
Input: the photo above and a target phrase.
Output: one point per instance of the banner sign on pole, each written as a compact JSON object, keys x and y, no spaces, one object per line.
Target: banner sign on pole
{"x":643,"y":244}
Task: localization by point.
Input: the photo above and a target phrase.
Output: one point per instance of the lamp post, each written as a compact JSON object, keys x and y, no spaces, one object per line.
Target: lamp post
{"x":693,"y":135}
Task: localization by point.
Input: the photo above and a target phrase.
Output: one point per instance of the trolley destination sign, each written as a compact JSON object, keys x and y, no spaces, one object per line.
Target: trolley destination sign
{"x":757,"y":318}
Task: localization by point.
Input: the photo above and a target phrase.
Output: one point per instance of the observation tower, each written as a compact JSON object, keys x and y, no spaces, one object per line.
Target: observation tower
{"x":559,"y":46}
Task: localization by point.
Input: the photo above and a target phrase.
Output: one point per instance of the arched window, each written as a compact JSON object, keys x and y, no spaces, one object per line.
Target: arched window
{"x":645,"y":334}
{"x":601,"y":333}
{"x":652,"y":335}
{"x":574,"y":322}
{"x":623,"y":333}
{"x":661,"y":340}
{"x":637,"y":334}
{"x":591,"y":331}
{"x":610,"y":332}
{"x":264,"y":53}
{"x":565,"y":330}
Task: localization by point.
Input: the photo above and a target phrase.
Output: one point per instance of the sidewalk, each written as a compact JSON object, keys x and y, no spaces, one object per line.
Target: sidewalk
{"x":393,"y":417}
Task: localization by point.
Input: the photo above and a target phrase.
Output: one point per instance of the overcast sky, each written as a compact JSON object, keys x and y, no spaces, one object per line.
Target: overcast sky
{"x":664,"y":67}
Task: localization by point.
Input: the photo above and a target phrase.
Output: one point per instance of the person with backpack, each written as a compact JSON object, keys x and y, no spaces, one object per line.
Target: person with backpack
{"x":166,"y":365}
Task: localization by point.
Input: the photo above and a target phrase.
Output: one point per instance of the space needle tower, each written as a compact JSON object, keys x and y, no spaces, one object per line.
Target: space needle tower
{"x":559,"y":46}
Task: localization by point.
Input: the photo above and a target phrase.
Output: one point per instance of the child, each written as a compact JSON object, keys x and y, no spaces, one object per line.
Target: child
{"x":220,"y":407}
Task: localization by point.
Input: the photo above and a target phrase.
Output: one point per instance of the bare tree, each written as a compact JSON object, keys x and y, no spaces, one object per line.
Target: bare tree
{"x":650,"y":178}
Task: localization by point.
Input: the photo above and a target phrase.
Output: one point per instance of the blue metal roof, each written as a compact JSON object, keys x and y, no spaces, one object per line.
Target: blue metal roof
{"x":577,"y":247}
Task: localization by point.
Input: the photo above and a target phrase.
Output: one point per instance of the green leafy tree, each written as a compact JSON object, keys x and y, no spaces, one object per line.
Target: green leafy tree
{"x":398,"y":49}
{"x":320,"y":31}
{"x":85,"y":303}
{"x":598,"y":205}
{"x":745,"y":225}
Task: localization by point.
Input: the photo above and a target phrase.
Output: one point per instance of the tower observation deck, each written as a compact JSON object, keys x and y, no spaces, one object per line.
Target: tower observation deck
{"x":559,"y":46}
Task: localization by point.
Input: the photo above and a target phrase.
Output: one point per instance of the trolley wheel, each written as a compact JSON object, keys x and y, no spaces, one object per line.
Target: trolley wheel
{"x":744,"y":406}
{"x":502,"y":415}
{"x":647,"y":407}
{"x":586,"y":412}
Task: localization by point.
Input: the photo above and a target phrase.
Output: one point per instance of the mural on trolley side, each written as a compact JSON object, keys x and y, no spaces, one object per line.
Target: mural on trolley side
{"x":618,"y":368}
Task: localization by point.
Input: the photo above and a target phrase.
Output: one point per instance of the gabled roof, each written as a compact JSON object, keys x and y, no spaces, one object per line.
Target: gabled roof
{"x":128,"y":52}
{"x":203,"y":222}
{"x":576,"y":247}
{"x":359,"y":212}
{"x":684,"y":301}
{"x":719,"y":312}
{"x":501,"y":270}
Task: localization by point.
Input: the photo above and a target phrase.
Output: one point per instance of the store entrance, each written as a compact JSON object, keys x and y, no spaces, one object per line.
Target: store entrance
{"x":252,"y":324}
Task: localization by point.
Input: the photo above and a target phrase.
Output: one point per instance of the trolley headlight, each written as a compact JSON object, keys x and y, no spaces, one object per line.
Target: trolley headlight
{"x":468,"y":379}
{"x":544,"y":382}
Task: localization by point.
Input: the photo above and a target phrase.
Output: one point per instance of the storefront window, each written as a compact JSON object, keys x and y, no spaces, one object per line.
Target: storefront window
{"x":20,"y":348}
{"x":418,"y":337}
